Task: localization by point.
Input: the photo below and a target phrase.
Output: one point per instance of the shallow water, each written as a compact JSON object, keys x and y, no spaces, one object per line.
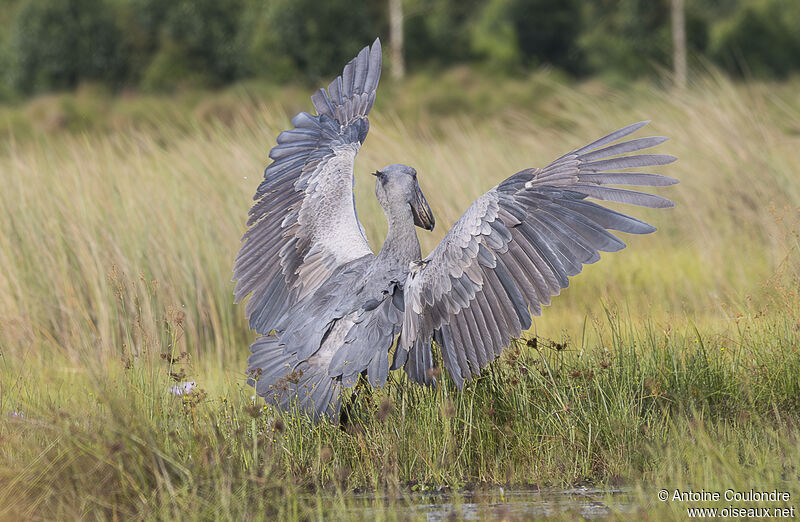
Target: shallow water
{"x":497,"y":504}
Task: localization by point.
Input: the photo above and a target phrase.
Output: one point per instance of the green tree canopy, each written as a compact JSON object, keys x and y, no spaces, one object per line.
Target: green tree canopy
{"x":163,"y":45}
{"x":55,"y":44}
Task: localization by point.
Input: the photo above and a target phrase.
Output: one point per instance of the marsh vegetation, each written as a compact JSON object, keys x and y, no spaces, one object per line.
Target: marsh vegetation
{"x":674,"y":362}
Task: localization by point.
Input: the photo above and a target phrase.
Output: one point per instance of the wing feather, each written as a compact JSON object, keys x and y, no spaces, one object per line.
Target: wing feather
{"x":518,"y":244}
{"x":303,"y":224}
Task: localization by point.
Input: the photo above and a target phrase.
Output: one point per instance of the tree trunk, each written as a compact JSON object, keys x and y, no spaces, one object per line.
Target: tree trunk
{"x":396,"y":37}
{"x":679,"y":43}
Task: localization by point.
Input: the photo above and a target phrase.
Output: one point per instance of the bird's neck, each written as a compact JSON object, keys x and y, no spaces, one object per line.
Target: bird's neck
{"x":401,"y":243}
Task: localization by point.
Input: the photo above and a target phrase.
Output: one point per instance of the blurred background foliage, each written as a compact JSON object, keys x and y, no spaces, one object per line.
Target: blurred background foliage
{"x":158,"y":46}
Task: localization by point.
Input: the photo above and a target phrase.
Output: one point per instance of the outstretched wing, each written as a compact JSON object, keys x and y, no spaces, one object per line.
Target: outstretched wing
{"x":515,"y":247}
{"x":303,"y":224}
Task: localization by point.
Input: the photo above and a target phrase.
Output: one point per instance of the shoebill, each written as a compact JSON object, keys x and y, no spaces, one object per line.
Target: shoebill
{"x":329,"y":310}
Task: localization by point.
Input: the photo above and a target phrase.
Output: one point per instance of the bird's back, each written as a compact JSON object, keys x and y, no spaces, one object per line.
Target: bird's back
{"x":324,"y":342}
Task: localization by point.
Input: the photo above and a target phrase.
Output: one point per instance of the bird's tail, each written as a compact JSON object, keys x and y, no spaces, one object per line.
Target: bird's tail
{"x":289,"y":384}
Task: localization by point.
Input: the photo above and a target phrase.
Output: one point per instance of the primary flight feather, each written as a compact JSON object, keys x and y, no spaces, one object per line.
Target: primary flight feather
{"x":328,"y":309}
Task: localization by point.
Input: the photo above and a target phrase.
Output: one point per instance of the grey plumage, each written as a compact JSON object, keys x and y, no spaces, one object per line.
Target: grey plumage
{"x":329,"y":310}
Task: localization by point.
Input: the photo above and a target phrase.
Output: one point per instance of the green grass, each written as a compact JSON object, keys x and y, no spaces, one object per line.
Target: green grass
{"x":674,"y":363}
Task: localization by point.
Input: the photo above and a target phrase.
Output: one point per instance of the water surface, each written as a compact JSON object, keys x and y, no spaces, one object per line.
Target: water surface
{"x":499,"y":504}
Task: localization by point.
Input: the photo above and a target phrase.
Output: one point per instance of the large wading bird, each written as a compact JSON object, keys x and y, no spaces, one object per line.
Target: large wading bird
{"x":329,"y":310}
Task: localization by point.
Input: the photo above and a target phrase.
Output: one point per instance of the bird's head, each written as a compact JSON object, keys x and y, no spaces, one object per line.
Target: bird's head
{"x":397,"y":185}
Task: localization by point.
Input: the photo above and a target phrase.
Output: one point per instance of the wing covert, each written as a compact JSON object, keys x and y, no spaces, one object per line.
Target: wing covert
{"x":516,"y":246}
{"x":303,"y":223}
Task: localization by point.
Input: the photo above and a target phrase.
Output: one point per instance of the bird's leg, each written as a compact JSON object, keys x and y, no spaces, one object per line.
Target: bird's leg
{"x":347,"y":415}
